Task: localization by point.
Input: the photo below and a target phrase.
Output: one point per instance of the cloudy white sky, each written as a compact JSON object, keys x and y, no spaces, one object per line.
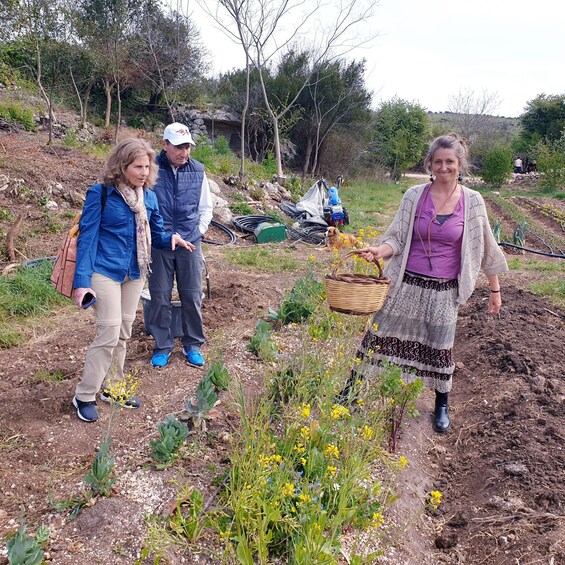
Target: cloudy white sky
{"x":427,"y":51}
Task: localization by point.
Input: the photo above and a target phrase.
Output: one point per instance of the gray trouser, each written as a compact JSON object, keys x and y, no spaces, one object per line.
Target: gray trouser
{"x":187,"y":266}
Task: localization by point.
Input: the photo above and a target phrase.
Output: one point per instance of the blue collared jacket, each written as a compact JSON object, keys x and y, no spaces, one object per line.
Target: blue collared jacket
{"x":106,"y":243}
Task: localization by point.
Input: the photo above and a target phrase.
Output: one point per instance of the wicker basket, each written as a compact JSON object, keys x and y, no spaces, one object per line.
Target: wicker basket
{"x":356,"y":294}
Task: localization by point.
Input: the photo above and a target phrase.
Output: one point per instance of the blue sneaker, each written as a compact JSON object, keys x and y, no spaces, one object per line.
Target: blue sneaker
{"x":160,"y":359}
{"x":194,"y":357}
{"x":86,"y":411}
{"x":131,"y":402}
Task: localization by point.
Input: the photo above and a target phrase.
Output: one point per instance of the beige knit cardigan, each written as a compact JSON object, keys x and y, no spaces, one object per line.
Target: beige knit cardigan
{"x":479,"y":249}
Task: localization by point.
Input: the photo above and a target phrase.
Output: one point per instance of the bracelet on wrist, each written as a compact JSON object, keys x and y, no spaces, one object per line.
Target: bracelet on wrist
{"x":494,"y":291}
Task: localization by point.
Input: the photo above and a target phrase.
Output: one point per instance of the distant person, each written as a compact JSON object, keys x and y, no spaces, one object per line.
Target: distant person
{"x":532,"y":167}
{"x":119,"y":223}
{"x":518,"y":165}
{"x":185,"y":203}
{"x":436,"y":245}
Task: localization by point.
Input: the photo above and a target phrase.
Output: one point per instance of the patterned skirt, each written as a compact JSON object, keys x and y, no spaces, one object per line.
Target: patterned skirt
{"x":414,"y":330}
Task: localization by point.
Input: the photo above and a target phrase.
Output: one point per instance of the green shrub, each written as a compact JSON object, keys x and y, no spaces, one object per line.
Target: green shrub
{"x":14,"y":113}
{"x":551,"y":162}
{"x":270,"y":164}
{"x":497,"y":166}
{"x":221,"y":146}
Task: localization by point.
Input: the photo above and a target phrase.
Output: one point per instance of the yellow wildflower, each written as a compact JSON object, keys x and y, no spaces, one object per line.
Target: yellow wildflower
{"x":357,"y":360}
{"x":361,"y":402}
{"x":305,"y":433}
{"x":287,"y":490}
{"x":403,"y":462}
{"x":305,"y":410}
{"x":377,"y":520}
{"x":332,"y":471}
{"x":339,"y":412}
{"x":435,"y":498}
{"x":299,"y":448}
{"x":305,"y":498}
{"x":331,"y":451}
{"x":303,"y":461}
{"x":366,"y":433}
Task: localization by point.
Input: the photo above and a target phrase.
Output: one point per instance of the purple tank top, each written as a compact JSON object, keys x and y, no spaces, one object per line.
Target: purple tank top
{"x":437,"y":252}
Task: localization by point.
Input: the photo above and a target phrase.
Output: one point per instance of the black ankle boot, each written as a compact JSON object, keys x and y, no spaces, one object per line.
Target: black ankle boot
{"x":441,"y":416}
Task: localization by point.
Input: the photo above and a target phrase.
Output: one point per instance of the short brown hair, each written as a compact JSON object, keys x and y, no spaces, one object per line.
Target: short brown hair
{"x":449,"y":141}
{"x":123,"y":155}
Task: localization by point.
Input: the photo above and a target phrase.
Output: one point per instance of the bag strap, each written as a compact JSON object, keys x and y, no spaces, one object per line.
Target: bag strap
{"x":104,"y":197}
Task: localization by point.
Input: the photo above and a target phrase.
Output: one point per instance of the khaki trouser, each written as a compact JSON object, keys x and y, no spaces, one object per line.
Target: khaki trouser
{"x":115,"y":309}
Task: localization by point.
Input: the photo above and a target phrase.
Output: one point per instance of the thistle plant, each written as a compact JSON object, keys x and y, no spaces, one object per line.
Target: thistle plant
{"x":27,"y":550}
{"x":205,"y":400}
{"x":172,"y":434}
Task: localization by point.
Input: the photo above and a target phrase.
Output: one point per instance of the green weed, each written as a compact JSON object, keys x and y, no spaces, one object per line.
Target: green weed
{"x":219,"y":375}
{"x":205,"y":400}
{"x":186,"y":520}
{"x":242,"y":209}
{"x":13,"y":112}
{"x":27,"y":550}
{"x":172,"y":434}
{"x":300,"y":302}
{"x":261,"y":343}
{"x":45,"y":376}
{"x":100,"y":478}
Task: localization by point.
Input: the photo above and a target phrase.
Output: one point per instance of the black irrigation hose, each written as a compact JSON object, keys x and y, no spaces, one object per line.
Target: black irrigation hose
{"x":506,"y":244}
{"x":226,"y":230}
{"x":311,"y":234}
{"x":247,"y":224}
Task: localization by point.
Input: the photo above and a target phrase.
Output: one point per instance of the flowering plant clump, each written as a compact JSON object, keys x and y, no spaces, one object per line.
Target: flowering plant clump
{"x":435,"y":499}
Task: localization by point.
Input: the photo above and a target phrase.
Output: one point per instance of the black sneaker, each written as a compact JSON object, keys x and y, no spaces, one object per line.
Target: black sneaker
{"x":86,"y":411}
{"x":131,"y":402}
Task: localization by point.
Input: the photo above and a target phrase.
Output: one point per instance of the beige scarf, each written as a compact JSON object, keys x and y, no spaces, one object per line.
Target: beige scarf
{"x":133,"y":197}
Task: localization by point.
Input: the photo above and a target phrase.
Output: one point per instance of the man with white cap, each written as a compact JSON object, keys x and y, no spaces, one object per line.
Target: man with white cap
{"x":185,"y":203}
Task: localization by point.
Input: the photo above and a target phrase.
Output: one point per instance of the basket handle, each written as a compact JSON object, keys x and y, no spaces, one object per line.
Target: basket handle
{"x":356,"y":252}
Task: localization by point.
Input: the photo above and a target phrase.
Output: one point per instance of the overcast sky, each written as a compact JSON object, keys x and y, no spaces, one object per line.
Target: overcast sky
{"x":429,"y":50}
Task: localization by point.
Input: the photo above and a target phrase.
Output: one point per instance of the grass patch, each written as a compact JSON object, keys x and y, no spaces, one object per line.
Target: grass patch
{"x":553,"y":289}
{"x":367,"y":202}
{"x":25,"y":293}
{"x":45,"y":376}
{"x":518,"y":264}
{"x":265,"y":259}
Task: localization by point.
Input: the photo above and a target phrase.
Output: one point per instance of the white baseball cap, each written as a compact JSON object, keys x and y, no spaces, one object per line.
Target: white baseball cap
{"x":178,"y":134}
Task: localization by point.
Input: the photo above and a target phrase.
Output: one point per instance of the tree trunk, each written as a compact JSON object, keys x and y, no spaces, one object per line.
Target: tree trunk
{"x":306,"y":165}
{"x":108,"y":90}
{"x":84,"y":116}
{"x":243,"y":116}
{"x":119,"y":119}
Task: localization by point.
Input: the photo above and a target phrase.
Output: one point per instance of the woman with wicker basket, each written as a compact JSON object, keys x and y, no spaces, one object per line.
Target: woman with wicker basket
{"x":436,"y":245}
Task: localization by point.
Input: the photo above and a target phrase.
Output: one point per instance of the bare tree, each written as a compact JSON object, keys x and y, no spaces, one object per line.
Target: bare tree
{"x":270,"y":26}
{"x":474,"y":111}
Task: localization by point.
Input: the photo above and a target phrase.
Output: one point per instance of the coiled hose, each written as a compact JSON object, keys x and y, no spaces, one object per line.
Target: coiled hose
{"x":311,"y":234}
{"x":226,"y":230}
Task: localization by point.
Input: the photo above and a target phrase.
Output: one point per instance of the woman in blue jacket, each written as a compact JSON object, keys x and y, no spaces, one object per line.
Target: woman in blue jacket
{"x":120,"y":221}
